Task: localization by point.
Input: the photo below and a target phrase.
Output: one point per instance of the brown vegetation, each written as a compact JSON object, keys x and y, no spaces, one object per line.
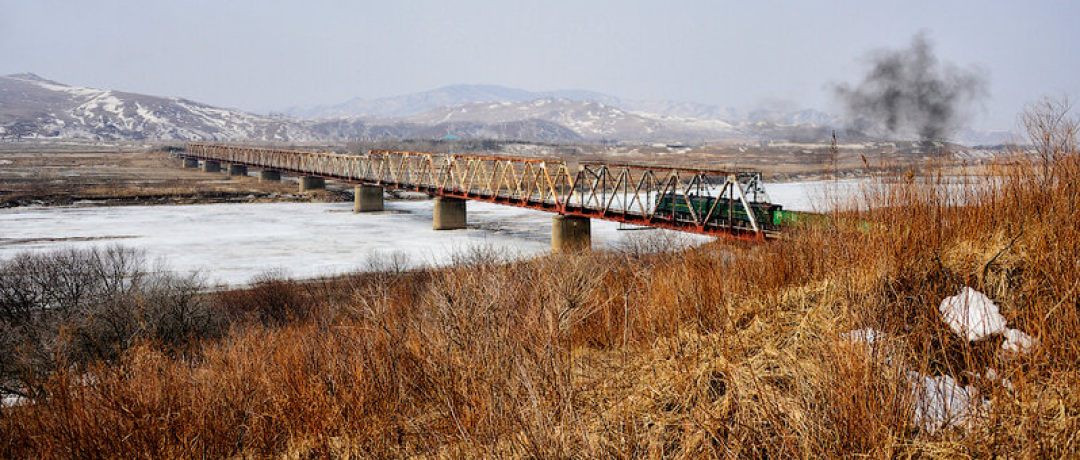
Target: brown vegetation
{"x":54,"y":175}
{"x":728,"y":350}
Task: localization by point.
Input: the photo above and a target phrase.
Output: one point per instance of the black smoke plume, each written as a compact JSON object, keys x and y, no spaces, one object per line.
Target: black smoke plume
{"x":908,"y":91}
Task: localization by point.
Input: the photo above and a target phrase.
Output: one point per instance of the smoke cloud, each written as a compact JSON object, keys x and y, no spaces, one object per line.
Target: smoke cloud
{"x":908,"y":91}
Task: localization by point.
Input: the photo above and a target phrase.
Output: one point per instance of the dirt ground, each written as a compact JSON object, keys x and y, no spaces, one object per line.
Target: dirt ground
{"x":89,"y":175}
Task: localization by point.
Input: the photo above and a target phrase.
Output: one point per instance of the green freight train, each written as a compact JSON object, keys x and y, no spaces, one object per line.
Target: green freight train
{"x":768,"y":216}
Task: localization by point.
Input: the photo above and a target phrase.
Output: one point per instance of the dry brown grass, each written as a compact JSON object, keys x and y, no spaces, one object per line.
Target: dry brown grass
{"x":723,"y":351}
{"x":56,"y":177}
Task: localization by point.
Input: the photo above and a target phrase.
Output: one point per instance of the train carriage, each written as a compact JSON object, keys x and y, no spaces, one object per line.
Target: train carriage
{"x":684,"y":207}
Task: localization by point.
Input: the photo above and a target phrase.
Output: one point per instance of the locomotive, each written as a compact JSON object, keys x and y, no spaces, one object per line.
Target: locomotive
{"x":768,"y":216}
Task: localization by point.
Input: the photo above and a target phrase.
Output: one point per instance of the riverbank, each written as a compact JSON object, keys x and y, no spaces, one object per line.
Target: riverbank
{"x":131,"y":177}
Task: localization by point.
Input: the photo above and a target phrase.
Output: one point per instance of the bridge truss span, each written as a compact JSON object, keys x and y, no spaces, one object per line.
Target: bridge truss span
{"x":705,"y":201}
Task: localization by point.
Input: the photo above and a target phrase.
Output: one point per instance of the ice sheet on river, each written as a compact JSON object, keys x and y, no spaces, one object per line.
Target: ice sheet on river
{"x":231,"y":243}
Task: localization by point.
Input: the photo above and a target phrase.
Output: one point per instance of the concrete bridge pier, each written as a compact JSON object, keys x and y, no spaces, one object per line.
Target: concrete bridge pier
{"x":267,"y":175}
{"x":570,"y":234}
{"x":191,"y":163}
{"x":367,"y":198}
{"x":237,"y":170}
{"x":211,"y":166}
{"x":309,"y":183}
{"x":449,"y":213}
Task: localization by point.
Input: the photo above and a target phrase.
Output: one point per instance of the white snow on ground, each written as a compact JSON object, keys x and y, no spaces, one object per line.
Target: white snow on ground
{"x":938,"y":401}
{"x":972,"y":315}
{"x":148,"y":115}
{"x":941,"y":402}
{"x":76,"y":90}
{"x":12,"y":400}
{"x":1017,"y":341}
{"x":231,"y":243}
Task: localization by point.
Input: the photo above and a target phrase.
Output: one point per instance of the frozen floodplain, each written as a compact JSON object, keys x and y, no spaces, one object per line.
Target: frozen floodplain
{"x":231,"y":243}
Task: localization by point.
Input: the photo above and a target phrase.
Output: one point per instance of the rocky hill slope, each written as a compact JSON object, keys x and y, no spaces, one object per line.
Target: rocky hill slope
{"x":33,"y":107}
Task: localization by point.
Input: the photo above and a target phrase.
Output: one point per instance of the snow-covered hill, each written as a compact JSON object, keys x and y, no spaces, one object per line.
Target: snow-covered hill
{"x":33,"y":107}
{"x":412,"y":104}
{"x":589,"y":119}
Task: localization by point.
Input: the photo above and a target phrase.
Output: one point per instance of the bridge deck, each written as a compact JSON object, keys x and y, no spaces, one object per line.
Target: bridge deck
{"x":621,"y":193}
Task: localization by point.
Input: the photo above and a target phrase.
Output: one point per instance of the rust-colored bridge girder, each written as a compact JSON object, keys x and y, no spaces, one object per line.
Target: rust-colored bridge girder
{"x":617,"y":192}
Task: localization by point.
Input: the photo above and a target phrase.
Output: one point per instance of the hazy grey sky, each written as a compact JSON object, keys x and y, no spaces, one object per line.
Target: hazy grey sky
{"x":262,"y":55}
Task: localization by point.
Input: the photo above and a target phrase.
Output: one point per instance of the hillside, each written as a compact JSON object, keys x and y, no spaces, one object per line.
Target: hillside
{"x":33,"y":107}
{"x":416,"y":103}
{"x":589,"y":119}
{"x":522,"y":129}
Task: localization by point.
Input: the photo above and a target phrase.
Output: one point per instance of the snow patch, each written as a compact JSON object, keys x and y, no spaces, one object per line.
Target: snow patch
{"x":972,"y":315}
{"x":74,"y":90}
{"x":940,"y":402}
{"x":12,"y":400}
{"x":1017,"y":341}
{"x":148,"y":115}
{"x":868,"y":336}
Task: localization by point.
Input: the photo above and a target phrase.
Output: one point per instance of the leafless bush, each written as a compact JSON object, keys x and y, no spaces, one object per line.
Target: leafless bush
{"x":271,"y":299}
{"x":73,"y":307}
{"x":652,"y":241}
{"x":1052,"y":131}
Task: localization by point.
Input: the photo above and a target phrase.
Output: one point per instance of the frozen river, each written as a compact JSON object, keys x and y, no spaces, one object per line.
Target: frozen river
{"x":231,"y":243}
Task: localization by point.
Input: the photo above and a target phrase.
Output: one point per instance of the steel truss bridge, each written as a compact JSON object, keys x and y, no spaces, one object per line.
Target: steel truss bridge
{"x":627,"y":193}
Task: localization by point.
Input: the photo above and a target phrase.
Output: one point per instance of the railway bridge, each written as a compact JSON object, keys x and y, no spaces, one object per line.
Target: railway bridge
{"x":706,"y":201}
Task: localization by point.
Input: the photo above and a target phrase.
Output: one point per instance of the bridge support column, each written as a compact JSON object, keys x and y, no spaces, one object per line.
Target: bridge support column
{"x":211,"y":166}
{"x":367,"y":198}
{"x":267,"y":175}
{"x":449,"y":213}
{"x":191,"y":163}
{"x":237,"y":170}
{"x":570,"y":234}
{"x":309,"y":183}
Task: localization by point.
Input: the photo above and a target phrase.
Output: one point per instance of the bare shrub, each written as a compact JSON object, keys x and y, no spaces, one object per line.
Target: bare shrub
{"x":272,"y":299}
{"x":74,"y":307}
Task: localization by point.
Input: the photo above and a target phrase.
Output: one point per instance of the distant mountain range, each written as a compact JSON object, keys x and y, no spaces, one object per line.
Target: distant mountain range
{"x":34,"y":107}
{"x":412,"y":104}
{"x":453,"y":95}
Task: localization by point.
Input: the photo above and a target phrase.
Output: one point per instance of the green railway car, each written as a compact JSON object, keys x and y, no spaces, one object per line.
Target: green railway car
{"x":788,"y":218}
{"x":766,"y":215}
